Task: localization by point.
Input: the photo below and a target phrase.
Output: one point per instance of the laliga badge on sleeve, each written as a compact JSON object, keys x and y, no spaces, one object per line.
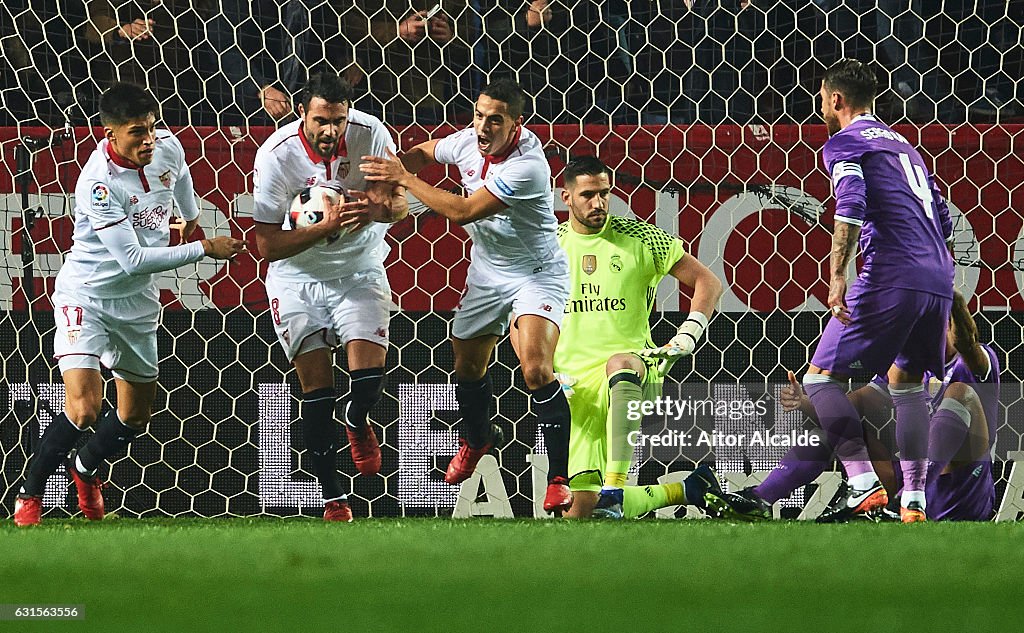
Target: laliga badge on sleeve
{"x":100,"y":197}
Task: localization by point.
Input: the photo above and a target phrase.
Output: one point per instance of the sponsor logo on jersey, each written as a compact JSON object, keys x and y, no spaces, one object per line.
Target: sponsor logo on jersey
{"x":153,"y":219}
{"x":501,"y":184}
{"x":381,"y":332}
{"x":596,"y":304}
{"x":545,"y":307}
{"x":310,"y":181}
{"x":589,"y":264}
{"x":165,"y":178}
{"x":615,"y":263}
{"x":100,"y":196}
{"x":471,"y":173}
{"x":133,"y":200}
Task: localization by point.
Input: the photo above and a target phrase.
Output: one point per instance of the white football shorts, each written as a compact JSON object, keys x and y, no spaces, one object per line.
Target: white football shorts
{"x":489,"y":300}
{"x":116,"y":333}
{"x":311,"y":315}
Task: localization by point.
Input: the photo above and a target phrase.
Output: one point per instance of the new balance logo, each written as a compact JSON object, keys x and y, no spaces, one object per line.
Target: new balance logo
{"x":856,"y":365}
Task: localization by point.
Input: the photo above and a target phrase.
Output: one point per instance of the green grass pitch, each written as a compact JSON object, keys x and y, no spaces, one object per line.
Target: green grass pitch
{"x":525,"y":576}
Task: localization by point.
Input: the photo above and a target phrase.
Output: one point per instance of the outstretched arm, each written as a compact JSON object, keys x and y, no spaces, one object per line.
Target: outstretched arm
{"x":419,"y":156}
{"x":460,"y":210}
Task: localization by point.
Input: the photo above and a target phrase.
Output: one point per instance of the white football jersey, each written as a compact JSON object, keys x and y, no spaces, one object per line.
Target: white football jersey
{"x":122,"y":218}
{"x":286,"y":164}
{"x":521,"y":239}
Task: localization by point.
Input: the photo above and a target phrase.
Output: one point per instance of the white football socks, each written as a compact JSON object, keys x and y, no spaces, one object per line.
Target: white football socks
{"x":912,"y":495}
{"x":864,"y":481}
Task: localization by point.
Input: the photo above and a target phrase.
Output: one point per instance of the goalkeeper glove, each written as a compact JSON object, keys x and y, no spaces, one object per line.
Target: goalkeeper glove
{"x":680,"y":345}
{"x":566,"y":381}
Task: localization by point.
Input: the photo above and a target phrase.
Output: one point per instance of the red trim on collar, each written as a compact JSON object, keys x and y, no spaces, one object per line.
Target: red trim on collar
{"x":500,"y":158}
{"x":340,"y":150}
{"x":119,"y":160}
{"x":124,"y":163}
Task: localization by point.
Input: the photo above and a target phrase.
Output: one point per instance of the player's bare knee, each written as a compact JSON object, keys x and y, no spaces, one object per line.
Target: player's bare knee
{"x":964,"y":395}
{"x":83,"y":412}
{"x":469,"y":369}
{"x":619,"y":362}
{"x":136,"y":420}
{"x":536,"y":375}
{"x":583,"y":504}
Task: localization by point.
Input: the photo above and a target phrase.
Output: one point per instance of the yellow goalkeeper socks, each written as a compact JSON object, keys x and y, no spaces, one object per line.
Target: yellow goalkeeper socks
{"x":625,"y":388}
{"x":639,"y":500}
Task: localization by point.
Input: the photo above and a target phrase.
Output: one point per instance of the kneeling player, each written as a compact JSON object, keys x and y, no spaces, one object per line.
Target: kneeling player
{"x":326,"y":282}
{"x":615,"y":266}
{"x":960,"y":486}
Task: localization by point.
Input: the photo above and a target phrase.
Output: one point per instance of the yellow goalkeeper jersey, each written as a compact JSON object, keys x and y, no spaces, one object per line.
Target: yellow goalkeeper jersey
{"x":614,"y":276}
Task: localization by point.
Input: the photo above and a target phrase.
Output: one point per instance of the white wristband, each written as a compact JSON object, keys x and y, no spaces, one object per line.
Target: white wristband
{"x":694,"y":326}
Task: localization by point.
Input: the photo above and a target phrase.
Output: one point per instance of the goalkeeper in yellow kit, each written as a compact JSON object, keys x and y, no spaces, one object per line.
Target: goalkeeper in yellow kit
{"x":605,"y":355}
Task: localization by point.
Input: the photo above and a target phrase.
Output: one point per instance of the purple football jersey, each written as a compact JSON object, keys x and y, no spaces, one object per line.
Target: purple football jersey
{"x":883,"y":185}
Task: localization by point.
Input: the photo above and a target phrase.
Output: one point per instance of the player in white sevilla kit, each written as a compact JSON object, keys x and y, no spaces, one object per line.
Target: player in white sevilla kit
{"x":106,"y":303}
{"x":325,"y":288}
{"x":518,"y":270}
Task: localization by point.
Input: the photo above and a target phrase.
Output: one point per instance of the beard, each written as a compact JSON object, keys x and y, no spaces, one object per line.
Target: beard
{"x":832,"y":123}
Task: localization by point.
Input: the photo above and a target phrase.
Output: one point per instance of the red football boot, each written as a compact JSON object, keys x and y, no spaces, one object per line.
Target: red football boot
{"x":464,"y":463}
{"x":365,"y":449}
{"x":90,"y":495}
{"x":337,"y":511}
{"x":558,"y":498}
{"x":28,"y":511}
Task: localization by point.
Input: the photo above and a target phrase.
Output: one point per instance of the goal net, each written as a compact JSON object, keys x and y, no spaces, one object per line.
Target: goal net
{"x":706,"y":114}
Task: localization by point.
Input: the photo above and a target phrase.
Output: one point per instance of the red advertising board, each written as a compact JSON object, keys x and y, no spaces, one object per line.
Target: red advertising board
{"x":752,"y":202}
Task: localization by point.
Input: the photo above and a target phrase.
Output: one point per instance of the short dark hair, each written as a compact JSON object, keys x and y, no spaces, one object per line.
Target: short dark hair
{"x":584,"y":166}
{"x":329,"y":87}
{"x":854,"y":80}
{"x":123,"y":102}
{"x":510,"y":93}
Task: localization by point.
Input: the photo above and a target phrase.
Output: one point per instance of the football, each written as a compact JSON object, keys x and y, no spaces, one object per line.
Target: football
{"x":308,"y":208}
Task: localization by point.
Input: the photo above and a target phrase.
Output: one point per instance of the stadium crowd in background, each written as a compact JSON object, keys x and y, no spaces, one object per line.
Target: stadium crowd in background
{"x":580,"y":60}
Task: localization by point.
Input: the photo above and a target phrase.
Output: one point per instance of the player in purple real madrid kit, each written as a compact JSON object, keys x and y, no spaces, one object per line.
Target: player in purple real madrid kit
{"x":965,"y":415}
{"x":893,"y":319}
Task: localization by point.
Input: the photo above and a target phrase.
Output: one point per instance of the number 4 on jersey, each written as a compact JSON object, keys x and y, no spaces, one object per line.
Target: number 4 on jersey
{"x":919,"y":184}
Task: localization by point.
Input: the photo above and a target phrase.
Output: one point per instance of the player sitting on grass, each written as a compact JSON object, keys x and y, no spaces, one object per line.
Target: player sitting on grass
{"x":106,"y":301}
{"x":963,"y":430}
{"x":615,"y":265}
